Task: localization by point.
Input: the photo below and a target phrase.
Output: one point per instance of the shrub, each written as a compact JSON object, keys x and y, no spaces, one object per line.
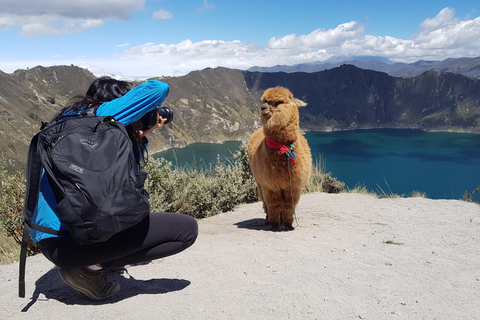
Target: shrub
{"x":12,"y":194}
{"x":323,"y":182}
{"x":418,"y":194}
{"x":467,"y":196}
{"x":362,"y":189}
{"x":248,"y":181}
{"x":200,"y":191}
{"x":9,"y":249}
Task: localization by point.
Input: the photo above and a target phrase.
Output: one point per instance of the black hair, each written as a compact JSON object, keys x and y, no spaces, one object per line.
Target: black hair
{"x":107,"y":89}
{"x":102,"y":90}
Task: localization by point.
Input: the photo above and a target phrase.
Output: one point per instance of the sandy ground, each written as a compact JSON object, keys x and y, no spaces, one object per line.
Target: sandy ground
{"x":351,"y":257}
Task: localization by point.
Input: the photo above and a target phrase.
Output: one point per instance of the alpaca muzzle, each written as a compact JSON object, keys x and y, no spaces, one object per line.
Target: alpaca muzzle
{"x":265,"y":108}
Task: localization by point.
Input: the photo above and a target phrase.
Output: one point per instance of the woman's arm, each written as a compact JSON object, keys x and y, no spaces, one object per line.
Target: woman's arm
{"x":136,"y":102}
{"x":160,"y":123}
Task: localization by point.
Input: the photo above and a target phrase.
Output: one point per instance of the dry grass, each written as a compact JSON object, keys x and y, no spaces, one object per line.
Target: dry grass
{"x":418,"y":194}
{"x":380,"y":193}
{"x":362,"y":189}
{"x":321,"y":181}
{"x":9,"y":249}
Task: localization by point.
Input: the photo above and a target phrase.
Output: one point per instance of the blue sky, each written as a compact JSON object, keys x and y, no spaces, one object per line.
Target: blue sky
{"x":147,"y":38}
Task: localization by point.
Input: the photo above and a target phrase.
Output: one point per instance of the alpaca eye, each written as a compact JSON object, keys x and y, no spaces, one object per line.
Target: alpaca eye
{"x":277,"y":103}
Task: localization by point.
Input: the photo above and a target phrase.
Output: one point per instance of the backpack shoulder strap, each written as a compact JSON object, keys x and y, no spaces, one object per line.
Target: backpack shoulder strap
{"x":23,"y":260}
{"x":34,"y":177}
{"x":34,"y":173}
{"x":91,"y":111}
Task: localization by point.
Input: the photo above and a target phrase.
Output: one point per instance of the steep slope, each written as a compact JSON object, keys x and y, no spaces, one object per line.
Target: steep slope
{"x":215,"y":105}
{"x":212,"y":105}
{"x":28,"y":97}
{"x":349,"y":97}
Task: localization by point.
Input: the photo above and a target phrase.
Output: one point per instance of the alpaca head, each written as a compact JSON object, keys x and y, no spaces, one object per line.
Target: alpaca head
{"x":279,"y":113}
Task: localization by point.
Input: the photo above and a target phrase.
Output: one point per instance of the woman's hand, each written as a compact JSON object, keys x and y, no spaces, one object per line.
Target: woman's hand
{"x":160,"y":123}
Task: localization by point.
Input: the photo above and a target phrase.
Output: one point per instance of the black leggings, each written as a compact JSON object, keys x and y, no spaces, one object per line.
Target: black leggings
{"x":157,"y":236}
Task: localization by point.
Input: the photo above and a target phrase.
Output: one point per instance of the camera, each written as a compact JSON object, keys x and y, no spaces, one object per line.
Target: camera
{"x":150,"y":118}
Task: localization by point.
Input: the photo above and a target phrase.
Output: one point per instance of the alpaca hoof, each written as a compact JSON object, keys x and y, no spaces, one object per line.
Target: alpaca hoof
{"x":289,"y":227}
{"x":275,"y":226}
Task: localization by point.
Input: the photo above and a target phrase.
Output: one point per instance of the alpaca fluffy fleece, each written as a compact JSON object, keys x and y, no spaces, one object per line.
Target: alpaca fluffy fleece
{"x":279,"y":182}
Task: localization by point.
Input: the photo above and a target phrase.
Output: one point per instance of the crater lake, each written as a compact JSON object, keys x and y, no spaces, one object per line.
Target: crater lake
{"x":442,"y":165}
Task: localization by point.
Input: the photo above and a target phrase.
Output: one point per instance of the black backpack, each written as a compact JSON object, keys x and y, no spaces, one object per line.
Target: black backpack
{"x":97,"y":183}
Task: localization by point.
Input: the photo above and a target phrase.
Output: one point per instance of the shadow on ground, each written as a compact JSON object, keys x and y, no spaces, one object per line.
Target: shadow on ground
{"x":50,"y":286}
{"x":253,"y":224}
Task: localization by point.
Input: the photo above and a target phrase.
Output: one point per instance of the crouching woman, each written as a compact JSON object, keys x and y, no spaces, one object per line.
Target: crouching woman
{"x":84,"y":267}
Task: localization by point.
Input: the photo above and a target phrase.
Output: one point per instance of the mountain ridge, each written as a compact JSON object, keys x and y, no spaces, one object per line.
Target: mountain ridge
{"x":469,"y":67}
{"x":214,"y":105}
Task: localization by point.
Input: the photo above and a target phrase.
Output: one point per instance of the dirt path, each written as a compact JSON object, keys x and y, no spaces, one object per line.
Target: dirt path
{"x":351,"y":257}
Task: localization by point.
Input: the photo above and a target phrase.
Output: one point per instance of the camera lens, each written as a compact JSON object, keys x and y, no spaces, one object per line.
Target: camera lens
{"x":150,"y":118}
{"x":165,"y":113}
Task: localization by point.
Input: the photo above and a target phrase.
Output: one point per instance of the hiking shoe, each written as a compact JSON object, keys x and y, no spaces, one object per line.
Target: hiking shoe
{"x":91,"y":283}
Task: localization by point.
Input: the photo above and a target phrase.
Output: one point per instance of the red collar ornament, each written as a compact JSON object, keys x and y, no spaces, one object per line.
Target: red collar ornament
{"x":283,"y":149}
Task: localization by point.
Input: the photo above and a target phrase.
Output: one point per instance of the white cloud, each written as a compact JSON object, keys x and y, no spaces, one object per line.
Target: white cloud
{"x":440,"y":37}
{"x":60,"y":17}
{"x":54,"y":26}
{"x":445,"y":32}
{"x":187,"y":55}
{"x":84,"y":9}
{"x":319,"y":38}
{"x":208,"y":6}
{"x":444,"y":18}
{"x":162,"y":14}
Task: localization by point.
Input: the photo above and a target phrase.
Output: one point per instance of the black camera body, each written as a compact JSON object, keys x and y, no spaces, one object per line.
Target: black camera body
{"x":150,"y":118}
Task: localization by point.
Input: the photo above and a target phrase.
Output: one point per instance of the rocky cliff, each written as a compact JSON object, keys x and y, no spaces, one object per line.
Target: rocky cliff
{"x":348,"y":97}
{"x":220,"y":104}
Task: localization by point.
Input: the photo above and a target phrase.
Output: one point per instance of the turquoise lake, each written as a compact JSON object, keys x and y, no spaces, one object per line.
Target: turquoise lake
{"x":443,"y":165}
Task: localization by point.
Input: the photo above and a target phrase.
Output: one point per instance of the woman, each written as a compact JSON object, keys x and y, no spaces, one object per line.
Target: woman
{"x":84,"y":267}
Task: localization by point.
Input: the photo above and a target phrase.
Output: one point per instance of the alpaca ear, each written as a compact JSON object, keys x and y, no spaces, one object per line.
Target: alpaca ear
{"x":298,"y":102}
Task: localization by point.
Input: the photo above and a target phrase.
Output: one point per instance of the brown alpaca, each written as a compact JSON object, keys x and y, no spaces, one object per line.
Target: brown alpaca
{"x":280,"y":178}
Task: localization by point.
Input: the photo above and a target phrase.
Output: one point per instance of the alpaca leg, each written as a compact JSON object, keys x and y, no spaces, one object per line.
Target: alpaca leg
{"x":288,"y":215}
{"x":265,"y":208}
{"x":274,"y":217}
{"x":274,"y":206}
{"x":290,"y":204}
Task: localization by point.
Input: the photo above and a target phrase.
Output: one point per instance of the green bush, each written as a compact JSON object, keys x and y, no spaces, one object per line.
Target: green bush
{"x":323,"y":182}
{"x":200,"y":191}
{"x":9,"y":249}
{"x":12,"y":194}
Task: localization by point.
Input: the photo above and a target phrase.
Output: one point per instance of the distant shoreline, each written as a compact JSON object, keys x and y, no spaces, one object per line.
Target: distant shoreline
{"x":392,"y":128}
{"x":152,"y":153}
